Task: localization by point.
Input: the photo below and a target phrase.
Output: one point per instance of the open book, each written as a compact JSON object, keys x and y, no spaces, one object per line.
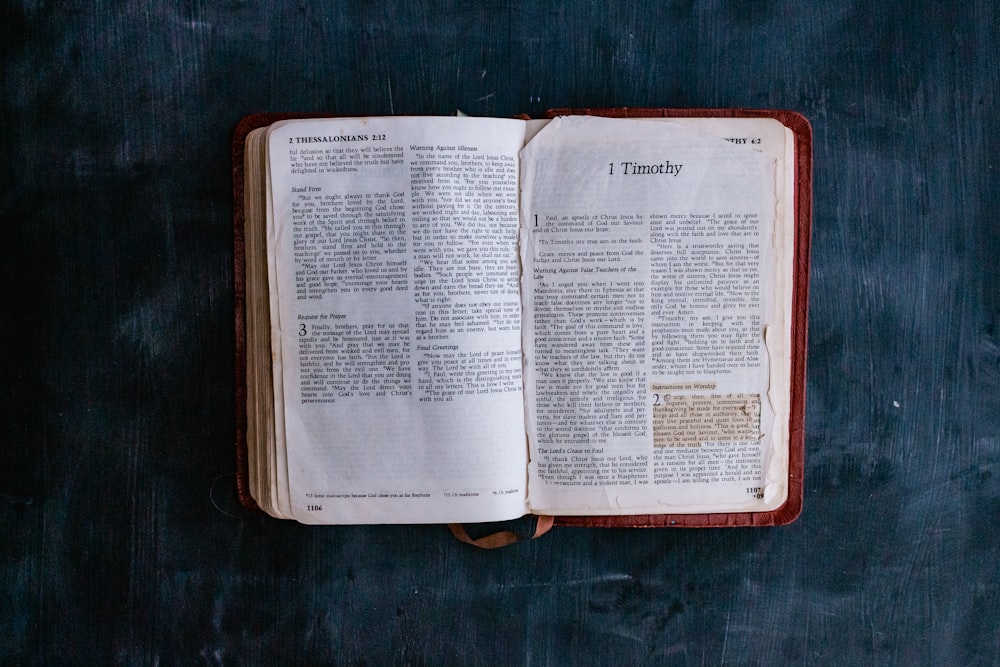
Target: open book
{"x":453,"y":319}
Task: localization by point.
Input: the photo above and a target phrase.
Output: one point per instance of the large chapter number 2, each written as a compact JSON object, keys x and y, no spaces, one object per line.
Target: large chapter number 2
{"x":660,"y":399}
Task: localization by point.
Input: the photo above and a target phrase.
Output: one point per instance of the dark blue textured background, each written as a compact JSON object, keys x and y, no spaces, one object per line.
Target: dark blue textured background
{"x":120,"y":538}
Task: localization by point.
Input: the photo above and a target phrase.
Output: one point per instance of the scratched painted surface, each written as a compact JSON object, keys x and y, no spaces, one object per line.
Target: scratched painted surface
{"x":120,"y":540}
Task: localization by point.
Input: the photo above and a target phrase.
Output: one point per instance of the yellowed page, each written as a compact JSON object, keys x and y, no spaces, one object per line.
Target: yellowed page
{"x":398,"y":318}
{"x":656,"y":315}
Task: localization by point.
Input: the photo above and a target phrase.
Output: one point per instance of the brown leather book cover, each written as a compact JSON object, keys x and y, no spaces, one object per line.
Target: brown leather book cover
{"x":800,"y":295}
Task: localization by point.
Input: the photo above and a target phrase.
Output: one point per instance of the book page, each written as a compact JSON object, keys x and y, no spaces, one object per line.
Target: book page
{"x":398,"y":318}
{"x":656,"y":290}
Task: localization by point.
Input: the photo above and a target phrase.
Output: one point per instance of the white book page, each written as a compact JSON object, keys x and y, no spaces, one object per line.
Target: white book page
{"x":656,"y":290}
{"x":398,"y":318}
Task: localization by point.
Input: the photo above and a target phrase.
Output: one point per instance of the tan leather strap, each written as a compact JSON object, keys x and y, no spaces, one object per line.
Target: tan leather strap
{"x":500,"y":538}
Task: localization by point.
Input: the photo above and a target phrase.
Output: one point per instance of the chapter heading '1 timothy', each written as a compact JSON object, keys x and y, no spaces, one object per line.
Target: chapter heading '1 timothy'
{"x":636,"y":169}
